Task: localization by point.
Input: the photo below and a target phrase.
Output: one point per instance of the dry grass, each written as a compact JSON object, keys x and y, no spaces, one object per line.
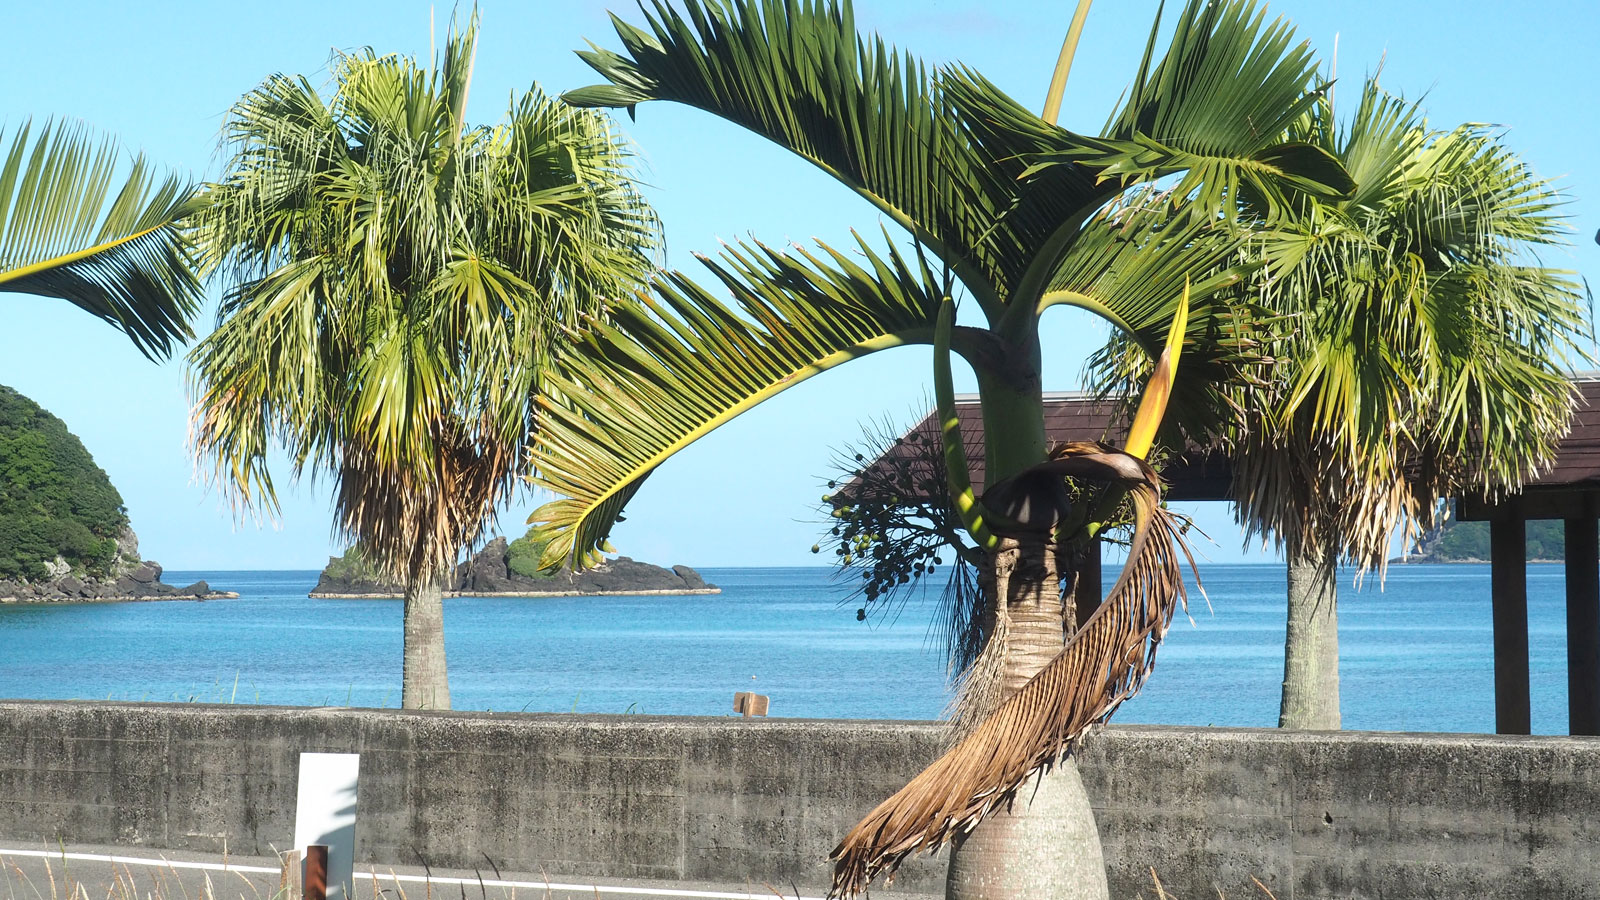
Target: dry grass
{"x":145,"y":882}
{"x":60,"y":883}
{"x":1163,"y":894}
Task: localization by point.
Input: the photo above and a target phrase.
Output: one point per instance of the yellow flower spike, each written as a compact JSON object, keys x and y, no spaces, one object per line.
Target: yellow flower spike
{"x":1156,"y":394}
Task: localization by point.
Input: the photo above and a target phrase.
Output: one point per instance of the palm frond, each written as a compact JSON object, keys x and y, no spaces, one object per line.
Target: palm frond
{"x":1214,"y":111}
{"x":1130,"y":266}
{"x":797,"y":73}
{"x":68,"y":230}
{"x":1423,"y":348}
{"x":1103,"y":664}
{"x":658,"y":376}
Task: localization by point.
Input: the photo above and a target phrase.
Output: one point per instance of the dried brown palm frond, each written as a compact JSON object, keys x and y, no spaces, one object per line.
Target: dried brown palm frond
{"x":1104,"y":664}
{"x":986,"y":640}
{"x":413,"y":522}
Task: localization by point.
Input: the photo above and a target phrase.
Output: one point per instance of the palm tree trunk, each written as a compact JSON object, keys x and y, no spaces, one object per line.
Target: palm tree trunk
{"x":424,"y":682}
{"x":1311,"y":643}
{"x":1046,"y":846}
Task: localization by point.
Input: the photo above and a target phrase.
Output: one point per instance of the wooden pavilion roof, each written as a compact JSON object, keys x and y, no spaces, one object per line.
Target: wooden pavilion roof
{"x":1074,"y":416}
{"x":1201,"y":475}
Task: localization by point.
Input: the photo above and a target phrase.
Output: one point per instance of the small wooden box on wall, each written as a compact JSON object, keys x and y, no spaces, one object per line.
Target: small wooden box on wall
{"x":749,"y":704}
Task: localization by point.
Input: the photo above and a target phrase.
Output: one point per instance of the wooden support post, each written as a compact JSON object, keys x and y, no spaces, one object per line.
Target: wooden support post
{"x":1509,"y":589}
{"x":1087,"y":591}
{"x":316,"y":872}
{"x":1583,"y":621}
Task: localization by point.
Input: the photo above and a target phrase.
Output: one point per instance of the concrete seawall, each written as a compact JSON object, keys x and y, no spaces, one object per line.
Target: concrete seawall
{"x":1348,"y":815}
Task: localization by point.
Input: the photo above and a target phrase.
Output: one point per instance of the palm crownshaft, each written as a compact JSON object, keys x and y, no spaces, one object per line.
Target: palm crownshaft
{"x":394,"y":280}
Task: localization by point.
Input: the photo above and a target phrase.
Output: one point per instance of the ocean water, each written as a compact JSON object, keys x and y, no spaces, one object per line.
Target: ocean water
{"x":1415,"y":656}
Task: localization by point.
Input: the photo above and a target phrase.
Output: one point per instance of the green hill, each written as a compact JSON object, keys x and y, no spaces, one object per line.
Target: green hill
{"x":1460,"y":541}
{"x":54,"y":500}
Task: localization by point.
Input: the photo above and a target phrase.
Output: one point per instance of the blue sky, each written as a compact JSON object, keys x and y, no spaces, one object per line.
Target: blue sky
{"x":161,"y":76}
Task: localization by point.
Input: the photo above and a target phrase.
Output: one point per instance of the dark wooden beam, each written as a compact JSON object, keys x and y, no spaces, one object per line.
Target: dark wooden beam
{"x":1583,"y":624}
{"x":1536,"y":502}
{"x":1087,"y":592}
{"x":1509,"y":590}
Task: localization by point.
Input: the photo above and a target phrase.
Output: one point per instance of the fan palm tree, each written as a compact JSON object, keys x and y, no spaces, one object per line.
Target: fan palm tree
{"x":119,"y":254}
{"x":1014,"y":215}
{"x":1426,"y":353}
{"x":394,"y":279}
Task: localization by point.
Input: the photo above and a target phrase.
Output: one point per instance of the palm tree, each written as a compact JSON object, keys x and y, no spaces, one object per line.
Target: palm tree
{"x":1425,"y":355}
{"x":394,"y":281}
{"x":1012,"y":214}
{"x":119,"y":256}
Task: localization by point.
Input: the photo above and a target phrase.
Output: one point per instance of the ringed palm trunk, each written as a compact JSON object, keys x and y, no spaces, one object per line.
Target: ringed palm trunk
{"x":1311,"y":642}
{"x":1046,"y":846}
{"x":424,"y":681}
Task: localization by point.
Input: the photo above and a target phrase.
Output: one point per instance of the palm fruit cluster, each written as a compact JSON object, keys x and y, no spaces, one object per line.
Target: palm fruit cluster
{"x":890,"y":522}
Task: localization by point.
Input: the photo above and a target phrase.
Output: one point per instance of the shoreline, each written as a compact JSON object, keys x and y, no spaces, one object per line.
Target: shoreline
{"x":189,"y":598}
{"x":326,"y":595}
{"x":1398,"y":561}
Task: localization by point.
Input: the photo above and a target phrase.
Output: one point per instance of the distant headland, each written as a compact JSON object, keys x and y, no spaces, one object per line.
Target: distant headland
{"x":64,"y":532}
{"x":1468,"y":542}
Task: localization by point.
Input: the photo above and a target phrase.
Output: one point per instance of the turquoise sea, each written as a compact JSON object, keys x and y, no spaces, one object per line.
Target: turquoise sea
{"x":1415,"y":656}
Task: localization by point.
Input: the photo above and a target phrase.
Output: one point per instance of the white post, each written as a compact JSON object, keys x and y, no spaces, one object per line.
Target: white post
{"x":325,"y":813}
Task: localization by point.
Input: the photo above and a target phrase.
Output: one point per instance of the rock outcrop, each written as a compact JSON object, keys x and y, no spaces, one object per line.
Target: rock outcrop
{"x":128,"y":579}
{"x":490,"y":573}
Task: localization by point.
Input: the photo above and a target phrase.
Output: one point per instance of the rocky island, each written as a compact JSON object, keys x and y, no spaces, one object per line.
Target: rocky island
{"x":503,"y":569}
{"x":64,"y":532}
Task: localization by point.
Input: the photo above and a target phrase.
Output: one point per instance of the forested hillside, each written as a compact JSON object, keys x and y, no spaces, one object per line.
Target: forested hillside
{"x":1461,"y":541}
{"x":54,"y":500}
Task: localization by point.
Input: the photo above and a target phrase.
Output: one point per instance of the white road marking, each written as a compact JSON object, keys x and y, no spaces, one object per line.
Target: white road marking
{"x":420,"y":879}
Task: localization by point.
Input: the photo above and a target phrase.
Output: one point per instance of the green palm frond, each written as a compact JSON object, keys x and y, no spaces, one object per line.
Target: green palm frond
{"x":1130,"y":266}
{"x":1214,"y":111}
{"x":797,"y":73}
{"x":654,"y":379}
{"x":984,"y":183}
{"x":69,"y":230}
{"x":1381,"y":146}
{"x":1131,"y":263}
{"x":1423,"y":348}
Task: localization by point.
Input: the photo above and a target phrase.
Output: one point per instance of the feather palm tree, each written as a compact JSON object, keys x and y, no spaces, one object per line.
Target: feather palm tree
{"x":70,"y":230}
{"x":394,"y":280}
{"x":1008,"y":212}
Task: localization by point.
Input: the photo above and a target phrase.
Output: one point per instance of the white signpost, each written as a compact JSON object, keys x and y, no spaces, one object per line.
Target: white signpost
{"x":325,"y":813}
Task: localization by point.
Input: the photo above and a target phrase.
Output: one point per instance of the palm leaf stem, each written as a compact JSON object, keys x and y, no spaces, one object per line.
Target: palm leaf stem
{"x":1099,"y":308}
{"x":1069,"y":49}
{"x":67,"y":259}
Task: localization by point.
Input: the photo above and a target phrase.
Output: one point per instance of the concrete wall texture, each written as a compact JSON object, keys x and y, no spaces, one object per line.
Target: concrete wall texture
{"x":1312,"y":815}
